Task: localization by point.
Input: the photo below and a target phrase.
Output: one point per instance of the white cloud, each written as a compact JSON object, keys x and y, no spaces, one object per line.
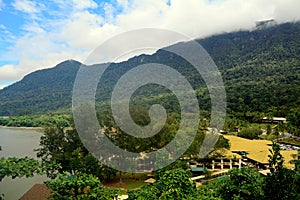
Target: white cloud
{"x":123,"y":4}
{"x":26,"y":6}
{"x":8,"y":73}
{"x":109,"y":12}
{"x":84,"y":4}
{"x":77,"y":30}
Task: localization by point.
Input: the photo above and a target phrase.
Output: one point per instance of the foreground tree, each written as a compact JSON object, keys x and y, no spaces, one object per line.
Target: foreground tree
{"x":245,"y":183}
{"x":207,"y":192}
{"x":281,"y":183}
{"x":65,"y":148}
{"x":173,"y":184}
{"x":145,"y":193}
{"x":25,"y":167}
{"x":60,"y":146}
{"x":79,"y":186}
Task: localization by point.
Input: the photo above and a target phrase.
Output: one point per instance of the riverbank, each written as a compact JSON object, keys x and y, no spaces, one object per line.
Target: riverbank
{"x":19,"y":142}
{"x":23,"y":128}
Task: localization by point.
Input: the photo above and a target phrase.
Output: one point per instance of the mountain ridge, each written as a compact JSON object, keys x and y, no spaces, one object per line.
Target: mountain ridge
{"x":257,"y":66}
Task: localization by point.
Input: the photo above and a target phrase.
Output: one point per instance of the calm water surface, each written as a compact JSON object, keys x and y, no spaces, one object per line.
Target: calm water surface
{"x":18,"y":143}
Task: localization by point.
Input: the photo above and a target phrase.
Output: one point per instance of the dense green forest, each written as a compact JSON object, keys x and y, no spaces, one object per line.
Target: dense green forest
{"x":260,"y":69}
{"x":48,"y":119}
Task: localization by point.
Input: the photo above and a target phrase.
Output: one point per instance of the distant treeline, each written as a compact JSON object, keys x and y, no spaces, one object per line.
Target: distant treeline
{"x":62,"y":120}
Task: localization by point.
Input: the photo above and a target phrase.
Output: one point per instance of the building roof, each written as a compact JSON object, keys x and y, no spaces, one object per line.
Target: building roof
{"x":257,"y":150}
{"x":276,"y":118}
{"x":289,"y":155}
{"x":150,"y":180}
{"x":37,"y":192}
{"x":225,"y":153}
{"x":197,"y":169}
{"x":264,"y":172}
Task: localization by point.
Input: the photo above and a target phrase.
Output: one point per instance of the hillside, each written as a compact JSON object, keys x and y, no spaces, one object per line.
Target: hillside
{"x":261,"y":71}
{"x":41,"y":91}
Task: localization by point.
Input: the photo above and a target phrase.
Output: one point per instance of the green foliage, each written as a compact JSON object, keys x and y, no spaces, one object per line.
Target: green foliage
{"x":233,"y":123}
{"x":294,"y":117}
{"x":207,"y":192}
{"x":175,"y":184}
{"x":135,"y":144}
{"x":62,"y":120}
{"x":145,"y":193}
{"x":60,"y":146}
{"x":194,"y":149}
{"x":269,"y":129}
{"x":250,"y":133}
{"x":65,"y":147}
{"x":281,"y":183}
{"x":244,"y":183}
{"x":41,"y":91}
{"x":294,"y":122}
{"x":222,"y":143}
{"x":79,"y":186}
{"x":25,"y":167}
{"x":178,"y":164}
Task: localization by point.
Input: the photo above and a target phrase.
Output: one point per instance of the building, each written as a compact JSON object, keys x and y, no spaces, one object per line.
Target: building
{"x":225,"y":159}
{"x":257,"y":151}
{"x":219,"y":160}
{"x":274,"y":120}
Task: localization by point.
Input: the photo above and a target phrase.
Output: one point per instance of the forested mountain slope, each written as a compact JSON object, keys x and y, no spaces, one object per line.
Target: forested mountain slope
{"x":260,"y":68}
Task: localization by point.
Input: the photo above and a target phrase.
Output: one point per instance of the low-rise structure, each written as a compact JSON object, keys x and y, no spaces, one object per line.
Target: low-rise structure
{"x":274,"y":120}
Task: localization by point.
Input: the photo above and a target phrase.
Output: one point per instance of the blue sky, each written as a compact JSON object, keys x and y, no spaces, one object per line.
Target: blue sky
{"x":39,"y":34}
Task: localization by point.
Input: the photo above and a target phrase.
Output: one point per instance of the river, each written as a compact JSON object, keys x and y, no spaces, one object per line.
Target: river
{"x":18,"y":143}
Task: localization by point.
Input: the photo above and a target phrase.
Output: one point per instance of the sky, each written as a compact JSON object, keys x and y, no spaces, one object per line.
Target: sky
{"x":40,"y":34}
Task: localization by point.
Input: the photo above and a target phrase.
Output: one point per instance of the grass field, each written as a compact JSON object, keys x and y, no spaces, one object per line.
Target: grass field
{"x":129,"y":181}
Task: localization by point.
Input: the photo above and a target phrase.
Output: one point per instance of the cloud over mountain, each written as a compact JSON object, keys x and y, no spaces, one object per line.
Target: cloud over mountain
{"x":47,"y":33}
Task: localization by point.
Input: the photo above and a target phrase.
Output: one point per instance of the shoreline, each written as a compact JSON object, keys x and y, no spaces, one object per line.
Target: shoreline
{"x":23,"y":128}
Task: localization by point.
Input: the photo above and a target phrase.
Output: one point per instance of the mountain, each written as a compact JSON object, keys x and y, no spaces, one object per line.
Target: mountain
{"x":41,"y":91}
{"x":260,"y":69}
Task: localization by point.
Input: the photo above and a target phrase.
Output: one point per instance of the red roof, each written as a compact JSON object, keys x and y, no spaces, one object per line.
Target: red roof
{"x":37,"y":192}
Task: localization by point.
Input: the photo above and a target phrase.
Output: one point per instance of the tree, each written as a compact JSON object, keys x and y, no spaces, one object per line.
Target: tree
{"x":60,"y":146}
{"x":244,"y":183}
{"x":175,"y":184}
{"x":269,"y":129}
{"x":276,"y":132}
{"x":250,"y":133}
{"x":65,"y":147}
{"x":145,"y":193}
{"x":28,"y":167}
{"x":281,"y":183}
{"x":79,"y":186}
{"x":24,"y":167}
{"x":207,"y":192}
{"x":178,"y":164}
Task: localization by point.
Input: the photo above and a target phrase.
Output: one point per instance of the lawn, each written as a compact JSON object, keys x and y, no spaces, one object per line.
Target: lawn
{"x":129,"y":181}
{"x":127,"y":184}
